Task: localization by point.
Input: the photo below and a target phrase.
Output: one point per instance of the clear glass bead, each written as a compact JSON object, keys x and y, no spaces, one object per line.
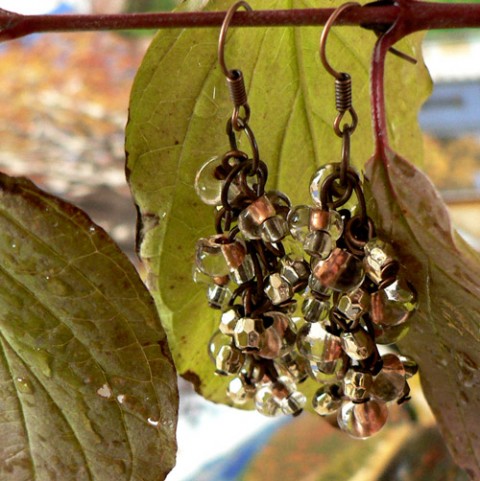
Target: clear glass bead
{"x":239,"y":391}
{"x":362,"y":420}
{"x":229,"y":361}
{"x":317,"y":344}
{"x":209,"y":256}
{"x":218,"y":296}
{"x":341,"y":271}
{"x":357,"y":344}
{"x":278,"y":289}
{"x":294,"y":403}
{"x":208,"y":185}
{"x":389,"y":383}
{"x":410,"y":366}
{"x":298,"y":221}
{"x":280,"y":336}
{"x":393,"y":305}
{"x":229,"y":319}
{"x":200,"y":277}
{"x":245,"y":272}
{"x":249,"y":334}
{"x":319,"y":178}
{"x":318,"y":244}
{"x":274,"y":229}
{"x":357,"y":384}
{"x":314,"y":309}
{"x":379,"y":261}
{"x":251,"y":218}
{"x":295,"y":271}
{"x":316,"y":286}
{"x":294,"y":364}
{"x":391,"y":335}
{"x":328,"y":372}
{"x":335,"y":225}
{"x":216,"y":343}
{"x":234,"y":253}
{"x":317,"y":181}
{"x":354,"y":304}
{"x":327,"y":220}
{"x":266,"y":403}
{"x":324,"y":402}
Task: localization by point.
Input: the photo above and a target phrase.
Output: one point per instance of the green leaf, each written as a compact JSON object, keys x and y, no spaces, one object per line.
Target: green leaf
{"x":88,"y":384}
{"x":178,"y":111}
{"x":445,"y":334}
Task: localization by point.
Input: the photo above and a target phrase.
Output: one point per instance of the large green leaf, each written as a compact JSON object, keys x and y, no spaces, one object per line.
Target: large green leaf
{"x":88,"y":384}
{"x":178,"y":110}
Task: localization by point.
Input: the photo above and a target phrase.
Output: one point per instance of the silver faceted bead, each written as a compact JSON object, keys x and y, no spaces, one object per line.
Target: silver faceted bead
{"x":393,"y":305}
{"x":357,"y":344}
{"x":228,"y":321}
{"x":278,"y":289}
{"x":249,"y":334}
{"x":357,"y":385}
{"x":380,"y":262}
{"x":354,"y":304}
{"x":229,"y":361}
{"x":314,"y":309}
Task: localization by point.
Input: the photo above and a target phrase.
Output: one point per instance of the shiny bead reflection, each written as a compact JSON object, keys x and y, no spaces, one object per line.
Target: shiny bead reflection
{"x":298,"y":222}
{"x":317,"y":344}
{"x":357,"y":344}
{"x":341,"y":271}
{"x":357,"y":384}
{"x":315,"y":310}
{"x":266,"y":403}
{"x":362,"y":420}
{"x":229,"y":360}
{"x":278,"y":289}
{"x":208,"y":186}
{"x":209,"y":256}
{"x":393,"y":305}
{"x":324,"y":402}
{"x":380,"y":262}
{"x":389,"y":383}
{"x":239,"y":391}
{"x":249,"y":334}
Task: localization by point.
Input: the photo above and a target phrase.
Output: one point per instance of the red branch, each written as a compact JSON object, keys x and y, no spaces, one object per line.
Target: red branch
{"x":422,"y":16}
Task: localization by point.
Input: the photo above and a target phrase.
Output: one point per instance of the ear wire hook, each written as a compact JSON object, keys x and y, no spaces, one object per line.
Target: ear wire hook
{"x":234,"y":77}
{"x":343,"y":81}
{"x":222,"y":39}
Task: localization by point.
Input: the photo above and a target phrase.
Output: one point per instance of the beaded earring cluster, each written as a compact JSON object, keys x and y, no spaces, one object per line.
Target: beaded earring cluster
{"x":306,"y":291}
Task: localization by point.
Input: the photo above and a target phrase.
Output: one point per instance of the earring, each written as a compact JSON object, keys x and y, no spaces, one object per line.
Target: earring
{"x":250,"y":279}
{"x":357,"y":297}
{"x":266,"y":255}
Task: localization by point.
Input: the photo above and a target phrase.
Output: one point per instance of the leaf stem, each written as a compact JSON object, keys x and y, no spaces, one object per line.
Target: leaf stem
{"x":422,"y":16}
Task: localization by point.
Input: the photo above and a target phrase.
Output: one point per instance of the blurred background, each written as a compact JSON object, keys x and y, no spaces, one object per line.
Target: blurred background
{"x":63,"y":122}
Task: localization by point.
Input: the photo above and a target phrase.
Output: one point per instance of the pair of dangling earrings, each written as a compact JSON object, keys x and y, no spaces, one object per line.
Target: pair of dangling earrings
{"x":267,"y":255}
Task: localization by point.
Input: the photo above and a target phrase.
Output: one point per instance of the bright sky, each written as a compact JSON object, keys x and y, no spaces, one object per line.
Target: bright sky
{"x":33,"y":7}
